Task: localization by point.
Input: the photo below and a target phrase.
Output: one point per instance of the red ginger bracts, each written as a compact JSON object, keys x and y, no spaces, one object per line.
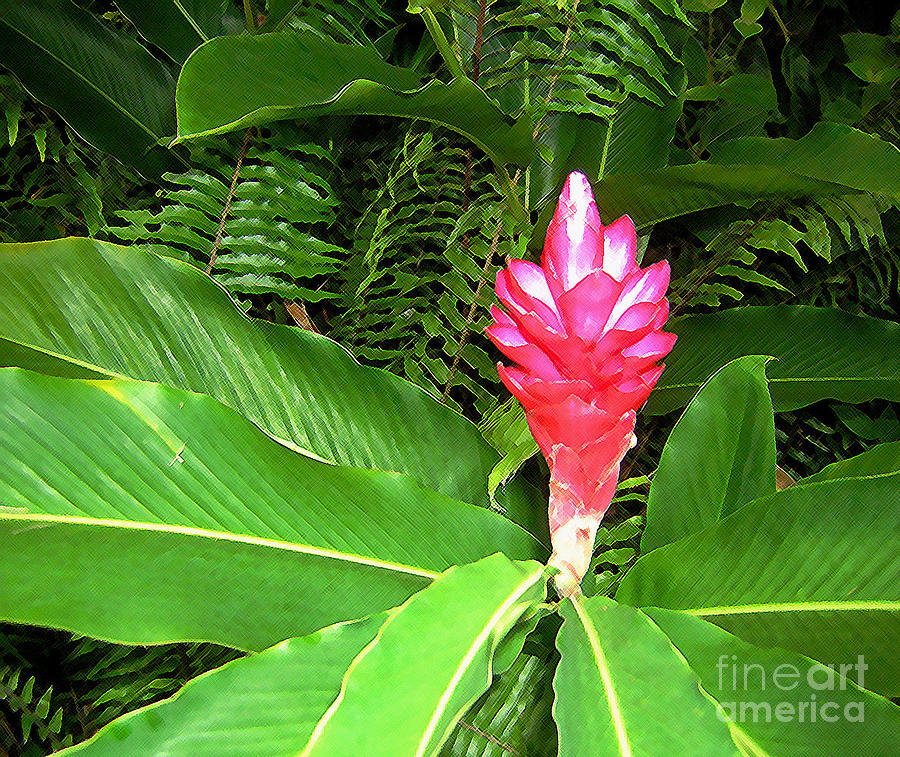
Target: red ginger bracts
{"x":584,"y":329}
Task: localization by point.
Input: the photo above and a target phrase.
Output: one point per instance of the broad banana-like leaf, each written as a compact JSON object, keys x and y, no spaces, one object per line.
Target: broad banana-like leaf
{"x":103,"y":83}
{"x":148,"y":514}
{"x":812,"y":569}
{"x":719,"y":456}
{"x":266,"y":704}
{"x":431,"y":660}
{"x":622,"y":690}
{"x":317,"y":76}
{"x":810,"y":364}
{"x":180,"y":26}
{"x":881,"y":459}
{"x":832,"y":159}
{"x":779,"y":703}
{"x":79,"y":307}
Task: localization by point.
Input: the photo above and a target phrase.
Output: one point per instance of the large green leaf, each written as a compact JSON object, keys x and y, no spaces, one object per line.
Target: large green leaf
{"x":180,"y":26}
{"x":430,"y":661}
{"x":882,"y":458}
{"x":831,"y":159}
{"x":105,"y":85}
{"x":123,"y":311}
{"x":769,"y":695}
{"x":302,"y":75}
{"x":514,"y":714}
{"x":157,"y":470}
{"x":719,"y":456}
{"x":810,"y":362}
{"x":812,"y":568}
{"x":140,"y":583}
{"x":829,"y":152}
{"x":621,"y":689}
{"x":266,"y":704}
{"x":635,"y":140}
{"x":653,"y":196}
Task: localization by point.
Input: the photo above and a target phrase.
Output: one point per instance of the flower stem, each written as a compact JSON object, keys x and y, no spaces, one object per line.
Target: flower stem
{"x":249,"y":17}
{"x":443,"y":46}
{"x":509,"y":194}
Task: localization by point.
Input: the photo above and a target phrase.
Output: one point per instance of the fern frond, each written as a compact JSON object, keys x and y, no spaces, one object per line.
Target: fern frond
{"x":409,"y":283}
{"x":113,"y":679}
{"x":753,"y":251}
{"x":584,"y":58}
{"x":33,"y":707}
{"x":271,"y":239}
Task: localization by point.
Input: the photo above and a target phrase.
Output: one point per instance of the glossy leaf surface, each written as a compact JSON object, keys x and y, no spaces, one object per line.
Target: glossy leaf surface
{"x":812,"y":569}
{"x":719,"y":456}
{"x":317,"y":77}
{"x":621,"y":689}
{"x":121,"y":311}
{"x":780,"y":703}
{"x":268,"y":703}
{"x":810,"y":363}
{"x":104,"y":84}
{"x":446,"y":636}
{"x":178,"y":484}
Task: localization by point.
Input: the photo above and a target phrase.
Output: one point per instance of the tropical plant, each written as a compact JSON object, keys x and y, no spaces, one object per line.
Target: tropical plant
{"x":174,"y":471}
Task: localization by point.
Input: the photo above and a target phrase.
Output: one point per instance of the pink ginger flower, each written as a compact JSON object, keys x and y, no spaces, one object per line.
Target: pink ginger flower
{"x":584,"y":329}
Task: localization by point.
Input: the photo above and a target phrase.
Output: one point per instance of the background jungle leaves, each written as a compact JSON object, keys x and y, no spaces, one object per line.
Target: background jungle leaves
{"x":109,"y":88}
{"x":320,"y":77}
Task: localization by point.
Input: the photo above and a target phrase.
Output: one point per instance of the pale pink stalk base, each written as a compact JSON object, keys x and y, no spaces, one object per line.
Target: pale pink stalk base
{"x":585,"y":330}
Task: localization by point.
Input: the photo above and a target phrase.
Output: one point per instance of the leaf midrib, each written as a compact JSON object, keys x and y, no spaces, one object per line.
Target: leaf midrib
{"x":36,"y":519}
{"x":603,"y":668}
{"x":778,"y":607}
{"x":476,"y":645}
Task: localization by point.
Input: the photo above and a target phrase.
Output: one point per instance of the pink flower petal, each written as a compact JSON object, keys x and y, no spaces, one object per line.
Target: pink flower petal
{"x":574,"y":243}
{"x":501,"y":318}
{"x":638,"y":317}
{"x":647,"y":285}
{"x":531,"y":357}
{"x":587,"y":305}
{"x":572,"y":422}
{"x":531,"y":284}
{"x":589,"y":473}
{"x":540,"y":391}
{"x":600,"y":456}
{"x":620,"y":248}
{"x":656,"y":345}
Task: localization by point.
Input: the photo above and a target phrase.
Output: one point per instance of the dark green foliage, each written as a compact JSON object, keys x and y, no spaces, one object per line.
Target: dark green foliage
{"x":28,"y":715}
{"x":55,"y":690}
{"x":390,"y":234}
{"x":775,"y":247}
{"x":267,"y":233}
{"x":556,"y":58}
{"x":357,"y":21}
{"x":408,"y":286}
{"x":52,"y":184}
